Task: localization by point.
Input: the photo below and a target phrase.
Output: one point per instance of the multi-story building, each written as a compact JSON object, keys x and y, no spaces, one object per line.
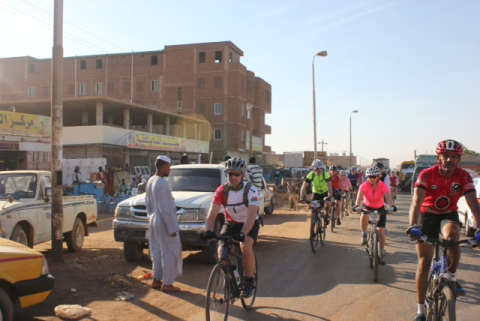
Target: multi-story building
{"x":194,"y":91}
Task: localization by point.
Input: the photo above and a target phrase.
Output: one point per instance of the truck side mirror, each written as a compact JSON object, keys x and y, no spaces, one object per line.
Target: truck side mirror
{"x":47,"y":194}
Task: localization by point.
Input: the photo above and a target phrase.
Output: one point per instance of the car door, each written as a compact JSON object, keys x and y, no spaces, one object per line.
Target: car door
{"x":44,"y":214}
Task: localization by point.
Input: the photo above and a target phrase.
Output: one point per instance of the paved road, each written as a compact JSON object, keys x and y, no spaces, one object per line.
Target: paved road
{"x":333,"y":285}
{"x":336,"y":283}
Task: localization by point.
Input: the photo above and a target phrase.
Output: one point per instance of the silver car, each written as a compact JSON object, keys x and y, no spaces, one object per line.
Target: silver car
{"x":464,"y":213}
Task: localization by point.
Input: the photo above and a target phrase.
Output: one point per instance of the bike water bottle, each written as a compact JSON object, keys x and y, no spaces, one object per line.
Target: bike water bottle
{"x":237,"y":276}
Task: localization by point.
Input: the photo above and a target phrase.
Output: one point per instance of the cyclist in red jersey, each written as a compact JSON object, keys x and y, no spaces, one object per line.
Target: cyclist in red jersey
{"x":337,"y":190}
{"x":435,"y":197}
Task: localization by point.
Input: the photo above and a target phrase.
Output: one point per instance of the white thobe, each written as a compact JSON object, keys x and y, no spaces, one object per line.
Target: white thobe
{"x":165,"y":250}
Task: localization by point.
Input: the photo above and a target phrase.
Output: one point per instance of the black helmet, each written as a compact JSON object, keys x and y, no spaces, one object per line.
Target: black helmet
{"x":235,"y":164}
{"x":333,"y":168}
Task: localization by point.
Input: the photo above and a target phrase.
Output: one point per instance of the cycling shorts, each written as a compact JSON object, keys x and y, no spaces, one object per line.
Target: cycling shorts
{"x":320,"y":197}
{"x":337,"y":194}
{"x":383,"y":215}
{"x":231,"y":228}
{"x":432,"y":223}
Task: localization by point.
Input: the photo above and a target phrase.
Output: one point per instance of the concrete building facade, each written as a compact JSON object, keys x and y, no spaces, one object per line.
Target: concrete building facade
{"x":190,"y":83}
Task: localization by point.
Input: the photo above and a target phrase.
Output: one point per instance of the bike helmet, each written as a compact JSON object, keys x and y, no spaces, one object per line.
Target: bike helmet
{"x":318,"y":164}
{"x":372,"y":171}
{"x":449,"y":145}
{"x":333,"y":168}
{"x":235,"y":164}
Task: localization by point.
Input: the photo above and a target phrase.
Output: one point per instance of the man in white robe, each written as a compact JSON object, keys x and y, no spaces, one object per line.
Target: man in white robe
{"x":164,"y":236}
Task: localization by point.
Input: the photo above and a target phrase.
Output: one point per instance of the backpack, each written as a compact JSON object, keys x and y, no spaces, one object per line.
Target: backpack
{"x":226,"y":189}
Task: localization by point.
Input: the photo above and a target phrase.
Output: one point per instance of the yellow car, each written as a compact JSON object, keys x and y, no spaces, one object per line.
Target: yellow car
{"x":24,"y":278}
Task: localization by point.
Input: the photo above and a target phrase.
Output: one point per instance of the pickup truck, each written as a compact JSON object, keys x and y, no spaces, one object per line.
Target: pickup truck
{"x":193,"y":187}
{"x":26,"y":210}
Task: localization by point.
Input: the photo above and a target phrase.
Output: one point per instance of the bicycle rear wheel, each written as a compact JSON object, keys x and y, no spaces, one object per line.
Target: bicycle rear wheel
{"x":247,"y":303}
{"x":333,"y":219}
{"x":218,"y":295}
{"x":315,"y":235}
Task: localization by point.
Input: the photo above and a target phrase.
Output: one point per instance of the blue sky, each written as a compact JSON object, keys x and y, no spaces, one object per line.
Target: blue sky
{"x":410,"y":67}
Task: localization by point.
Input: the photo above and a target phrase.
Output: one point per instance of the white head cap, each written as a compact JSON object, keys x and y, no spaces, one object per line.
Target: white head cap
{"x":164,"y":158}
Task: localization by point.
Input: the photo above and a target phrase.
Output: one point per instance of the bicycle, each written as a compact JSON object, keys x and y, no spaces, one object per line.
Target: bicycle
{"x":226,"y":281}
{"x":318,"y":227}
{"x":373,"y":245}
{"x":345,"y":204}
{"x":332,"y":212}
{"x":440,"y":300}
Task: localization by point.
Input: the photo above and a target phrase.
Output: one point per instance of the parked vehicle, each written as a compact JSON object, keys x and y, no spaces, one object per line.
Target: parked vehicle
{"x":193,"y":187}
{"x":464,"y":213}
{"x":26,"y":210}
{"x":422,"y":162}
{"x":24,"y":278}
{"x":269,"y":198}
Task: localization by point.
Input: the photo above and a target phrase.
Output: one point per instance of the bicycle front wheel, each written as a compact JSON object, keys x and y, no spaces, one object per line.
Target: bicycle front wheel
{"x":315,"y":236}
{"x":447,"y":304}
{"x":247,"y":303}
{"x":375,"y":253}
{"x":218,"y":295}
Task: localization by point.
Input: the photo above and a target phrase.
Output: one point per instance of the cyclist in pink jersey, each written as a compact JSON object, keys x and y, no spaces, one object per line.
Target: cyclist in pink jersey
{"x":372,"y":195}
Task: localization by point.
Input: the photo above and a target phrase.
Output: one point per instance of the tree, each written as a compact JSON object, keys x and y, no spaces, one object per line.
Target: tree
{"x":470,"y":152}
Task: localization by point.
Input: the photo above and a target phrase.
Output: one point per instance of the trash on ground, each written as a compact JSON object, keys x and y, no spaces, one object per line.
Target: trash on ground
{"x":72,"y":311}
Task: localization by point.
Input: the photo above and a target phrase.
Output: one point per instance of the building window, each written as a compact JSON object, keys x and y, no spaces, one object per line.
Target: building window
{"x":154,"y":86}
{"x":242,"y":110}
{"x":230,"y":58}
{"x":31,"y":68}
{"x":154,"y":60}
{"x":247,"y":140}
{"x":202,"y":57}
{"x":83,"y":89}
{"x":83,"y":64}
{"x":218,"y":82}
{"x":201,"y":108}
{"x":218,"y":108}
{"x":249,"y":112}
{"x":218,"y":134}
{"x":201,"y":83}
{"x":218,"y":57}
{"x":31,"y":91}
{"x":99,"y":88}
{"x":99,"y":64}
{"x":179,"y":93}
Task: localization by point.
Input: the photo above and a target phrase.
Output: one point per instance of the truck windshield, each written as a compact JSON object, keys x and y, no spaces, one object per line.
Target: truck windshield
{"x":194,"y":179}
{"x":18,"y":186}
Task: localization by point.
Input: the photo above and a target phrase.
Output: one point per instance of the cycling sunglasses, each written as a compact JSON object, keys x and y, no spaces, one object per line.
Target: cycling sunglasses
{"x":230,"y":174}
{"x":375,"y":176}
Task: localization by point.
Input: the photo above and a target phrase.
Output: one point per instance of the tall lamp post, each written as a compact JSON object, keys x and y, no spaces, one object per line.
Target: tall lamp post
{"x":320,"y":54}
{"x":350,"y":121}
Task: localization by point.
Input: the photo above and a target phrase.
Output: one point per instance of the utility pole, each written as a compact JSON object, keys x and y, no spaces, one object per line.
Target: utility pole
{"x":322,"y":143}
{"x":56,"y":113}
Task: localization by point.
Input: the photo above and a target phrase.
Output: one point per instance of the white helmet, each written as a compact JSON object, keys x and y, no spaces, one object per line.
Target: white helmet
{"x":372,"y":171}
{"x":318,"y":164}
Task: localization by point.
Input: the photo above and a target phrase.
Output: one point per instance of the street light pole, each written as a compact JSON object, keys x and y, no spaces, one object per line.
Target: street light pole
{"x":57,"y":127}
{"x":320,"y":54}
{"x":350,"y":120}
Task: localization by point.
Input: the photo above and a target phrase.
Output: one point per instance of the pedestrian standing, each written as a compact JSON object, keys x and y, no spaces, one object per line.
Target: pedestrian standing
{"x":164,"y":237}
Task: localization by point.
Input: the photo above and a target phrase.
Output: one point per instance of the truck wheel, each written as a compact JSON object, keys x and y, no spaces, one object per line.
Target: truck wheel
{"x":19,"y":235}
{"x":76,"y":237}
{"x":7,"y":309}
{"x":133,"y":251}
{"x":269,"y":210}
